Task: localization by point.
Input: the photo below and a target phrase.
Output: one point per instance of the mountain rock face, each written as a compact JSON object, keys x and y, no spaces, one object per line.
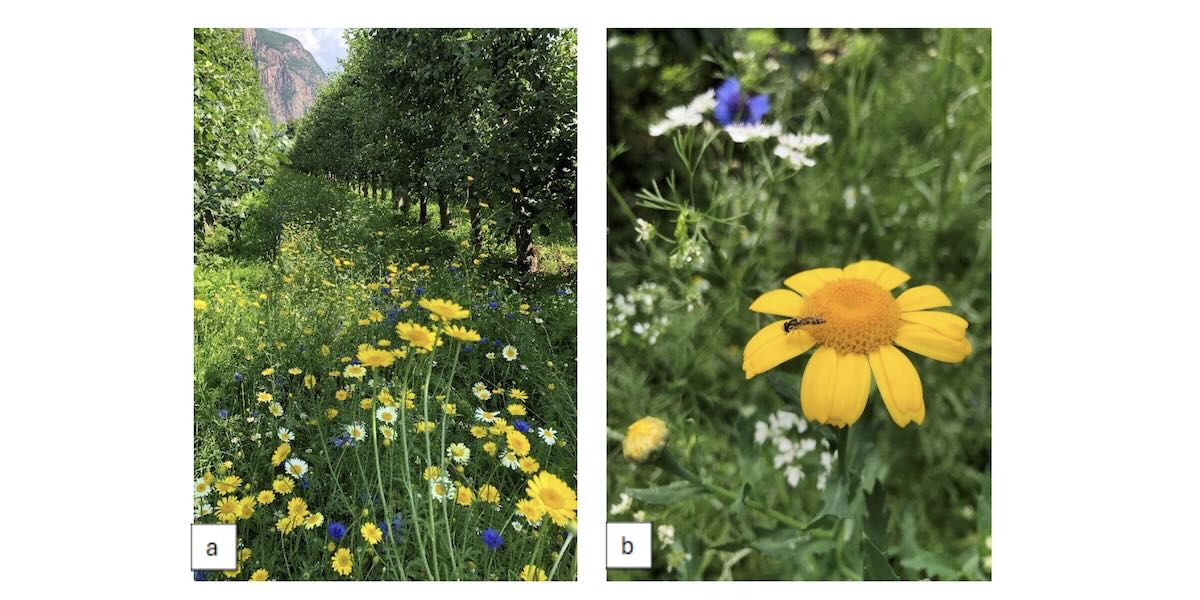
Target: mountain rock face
{"x":290,"y":76}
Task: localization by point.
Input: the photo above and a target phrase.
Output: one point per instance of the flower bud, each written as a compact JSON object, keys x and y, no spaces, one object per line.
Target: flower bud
{"x":645,"y":439}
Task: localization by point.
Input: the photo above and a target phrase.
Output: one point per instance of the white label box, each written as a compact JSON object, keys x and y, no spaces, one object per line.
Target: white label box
{"x":214,"y":547}
{"x":629,"y":545}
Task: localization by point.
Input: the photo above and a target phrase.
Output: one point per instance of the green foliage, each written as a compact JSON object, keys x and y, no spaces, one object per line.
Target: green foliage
{"x":234,"y":150}
{"x":417,"y":110}
{"x":905,"y":179}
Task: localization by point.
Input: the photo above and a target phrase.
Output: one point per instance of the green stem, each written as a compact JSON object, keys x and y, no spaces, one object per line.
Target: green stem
{"x":412,"y":500}
{"x":561,"y":551}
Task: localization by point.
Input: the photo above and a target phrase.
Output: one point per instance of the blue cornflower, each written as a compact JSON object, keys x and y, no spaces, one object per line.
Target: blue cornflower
{"x":492,"y":538}
{"x":483,"y":341}
{"x":224,"y":412}
{"x":733,"y":106}
{"x":521,"y":425}
{"x":237,"y":377}
{"x":397,"y":522}
{"x":200,"y":575}
{"x":354,"y":361}
{"x":384,"y":290}
{"x":336,"y":530}
{"x":497,"y":343}
{"x":508,"y":315}
{"x":467,"y":348}
{"x":420,"y":290}
{"x":492,"y":304}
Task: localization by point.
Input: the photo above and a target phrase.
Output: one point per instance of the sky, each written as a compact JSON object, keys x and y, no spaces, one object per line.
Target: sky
{"x":325,"y":45}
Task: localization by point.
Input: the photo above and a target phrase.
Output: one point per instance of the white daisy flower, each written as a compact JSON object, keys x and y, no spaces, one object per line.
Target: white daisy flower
{"x":276,"y":409}
{"x":509,"y":353}
{"x":744,"y":132}
{"x":482,"y":393}
{"x":458,"y":453}
{"x":285,"y":435}
{"x":485,"y":416}
{"x":201,"y":488}
{"x":386,"y":414}
{"x":510,"y":460}
{"x":441,"y":488}
{"x":547,"y":435}
{"x":296,"y":467}
{"x":357,"y":431}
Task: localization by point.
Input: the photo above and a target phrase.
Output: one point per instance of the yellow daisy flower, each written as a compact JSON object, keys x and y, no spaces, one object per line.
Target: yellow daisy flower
{"x":446,"y":310}
{"x":530,"y":572}
{"x":462,"y":333}
{"x":342,"y":563}
{"x":855,"y":323}
{"x":553,"y":496}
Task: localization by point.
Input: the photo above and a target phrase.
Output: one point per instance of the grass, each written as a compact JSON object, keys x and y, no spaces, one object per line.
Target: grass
{"x":335,"y":271}
{"x":906,"y":179}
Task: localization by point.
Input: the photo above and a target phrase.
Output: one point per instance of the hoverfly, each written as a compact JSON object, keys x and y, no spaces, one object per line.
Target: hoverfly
{"x":801,"y":322}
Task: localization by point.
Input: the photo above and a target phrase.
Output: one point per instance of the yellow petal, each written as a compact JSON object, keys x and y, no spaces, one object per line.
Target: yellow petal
{"x":807,"y":282}
{"x":899,"y":384}
{"x":784,"y":303}
{"x":835,"y":387}
{"x":887,"y":276}
{"x":926,"y":341}
{"x":951,"y":326}
{"x":771,"y":346}
{"x":921,"y":298}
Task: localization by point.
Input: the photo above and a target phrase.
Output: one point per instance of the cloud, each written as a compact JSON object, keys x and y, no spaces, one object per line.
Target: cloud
{"x":326,"y":45}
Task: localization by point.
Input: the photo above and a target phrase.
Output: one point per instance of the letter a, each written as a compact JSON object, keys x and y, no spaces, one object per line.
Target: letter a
{"x":212,"y":549}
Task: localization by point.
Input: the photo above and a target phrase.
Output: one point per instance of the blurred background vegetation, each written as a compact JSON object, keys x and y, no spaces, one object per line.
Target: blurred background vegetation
{"x":906,"y":179}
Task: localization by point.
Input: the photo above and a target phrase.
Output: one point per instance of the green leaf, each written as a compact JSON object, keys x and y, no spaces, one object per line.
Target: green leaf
{"x":677,"y":491}
{"x":875,"y":563}
{"x":836,"y":496}
{"x":787,"y":387}
{"x":739,"y":505}
{"x":931,"y":564}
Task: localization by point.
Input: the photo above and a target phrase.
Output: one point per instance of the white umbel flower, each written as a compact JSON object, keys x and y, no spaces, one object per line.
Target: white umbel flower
{"x":685,"y":116}
{"x":744,"y":132}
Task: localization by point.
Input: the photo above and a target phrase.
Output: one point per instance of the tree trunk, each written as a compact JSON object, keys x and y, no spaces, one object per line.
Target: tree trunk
{"x":424,"y":218}
{"x":396,"y":197}
{"x":526,"y":261}
{"x":444,"y":211}
{"x":476,"y":226}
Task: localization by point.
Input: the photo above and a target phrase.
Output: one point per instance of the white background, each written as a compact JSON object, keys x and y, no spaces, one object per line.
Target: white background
{"x":1096,"y":311}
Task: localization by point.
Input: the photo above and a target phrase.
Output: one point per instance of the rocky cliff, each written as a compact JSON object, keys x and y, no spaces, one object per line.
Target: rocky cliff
{"x":290,"y":76}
